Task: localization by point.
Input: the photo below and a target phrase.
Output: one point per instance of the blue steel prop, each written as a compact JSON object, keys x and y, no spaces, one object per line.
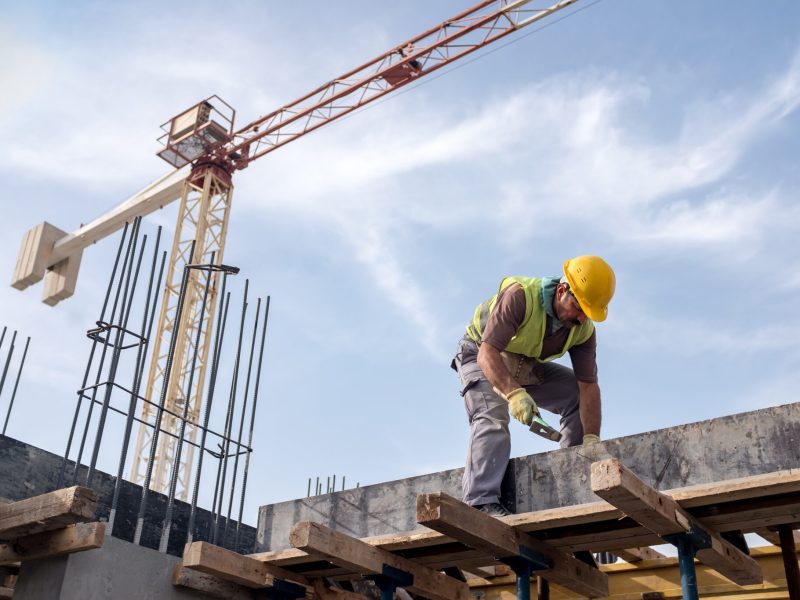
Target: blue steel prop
{"x":688,"y":544}
{"x":523,"y":566}
{"x":390,"y":579}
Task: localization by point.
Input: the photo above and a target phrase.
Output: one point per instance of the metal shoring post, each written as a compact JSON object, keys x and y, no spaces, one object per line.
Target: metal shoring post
{"x":64,"y":460}
{"x":252,"y":421}
{"x":241,"y":423}
{"x":138,"y":371}
{"x":222,"y":319}
{"x":523,"y":567}
{"x":16,"y":383}
{"x":122,"y":276}
{"x":229,"y":418}
{"x":688,"y":544}
{"x":3,"y":335}
{"x":137,"y":536}
{"x":165,"y":531}
{"x":390,"y":579}
{"x":119,"y":341}
{"x":8,"y":361}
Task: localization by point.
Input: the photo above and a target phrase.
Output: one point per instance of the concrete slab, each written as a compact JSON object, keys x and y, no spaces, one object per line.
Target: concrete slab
{"x":118,"y":570}
{"x":741,"y":445}
{"x":27,"y":471}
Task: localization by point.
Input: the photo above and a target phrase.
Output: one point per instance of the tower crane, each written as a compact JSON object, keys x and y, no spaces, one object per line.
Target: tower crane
{"x":205,"y":149}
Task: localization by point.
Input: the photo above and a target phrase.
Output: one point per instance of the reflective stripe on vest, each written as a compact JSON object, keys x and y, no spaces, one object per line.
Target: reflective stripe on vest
{"x":530,"y":335}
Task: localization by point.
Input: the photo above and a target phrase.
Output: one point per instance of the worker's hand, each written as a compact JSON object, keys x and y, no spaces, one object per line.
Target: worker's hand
{"x":590,"y":438}
{"x":521,"y":405}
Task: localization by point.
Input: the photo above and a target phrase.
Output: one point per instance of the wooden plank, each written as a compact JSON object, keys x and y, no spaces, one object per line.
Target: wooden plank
{"x":772,"y":536}
{"x":359,"y":556}
{"x":210,"y":585}
{"x":6,"y":592}
{"x":478,"y":530}
{"x":74,"y":538}
{"x":47,"y":512}
{"x":234,"y":567}
{"x":741,"y":488}
{"x":663,"y":515}
{"x":633,"y":555}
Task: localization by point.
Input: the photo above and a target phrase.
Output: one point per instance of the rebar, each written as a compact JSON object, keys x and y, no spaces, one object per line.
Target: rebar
{"x":241,"y":420}
{"x":8,"y":361}
{"x":16,"y":384}
{"x":167,"y":525}
{"x":125,"y":311}
{"x":222,"y":319}
{"x":252,"y":425}
{"x":125,"y":268}
{"x":160,"y":411}
{"x":229,"y":418}
{"x":138,"y":371}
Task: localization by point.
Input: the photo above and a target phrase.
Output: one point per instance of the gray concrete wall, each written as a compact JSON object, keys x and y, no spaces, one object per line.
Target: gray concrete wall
{"x":740,"y":445}
{"x":27,"y":471}
{"x":119,"y":570}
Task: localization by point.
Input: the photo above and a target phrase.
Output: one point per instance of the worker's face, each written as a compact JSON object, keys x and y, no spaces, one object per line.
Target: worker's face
{"x":566,"y":307}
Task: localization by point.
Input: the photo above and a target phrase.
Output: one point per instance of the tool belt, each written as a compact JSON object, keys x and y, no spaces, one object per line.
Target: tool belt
{"x":523,"y":369}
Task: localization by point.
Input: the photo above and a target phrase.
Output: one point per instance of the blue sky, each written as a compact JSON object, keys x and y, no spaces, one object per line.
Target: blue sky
{"x":660,"y":135}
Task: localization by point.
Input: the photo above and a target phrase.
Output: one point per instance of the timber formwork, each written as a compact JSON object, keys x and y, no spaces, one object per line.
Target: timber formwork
{"x":430,"y":563}
{"x":624,"y":505}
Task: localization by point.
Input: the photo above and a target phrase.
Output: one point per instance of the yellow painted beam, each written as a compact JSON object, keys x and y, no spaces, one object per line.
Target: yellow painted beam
{"x":629,"y":581}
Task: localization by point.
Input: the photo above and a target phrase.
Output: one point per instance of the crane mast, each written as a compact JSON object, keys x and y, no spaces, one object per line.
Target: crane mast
{"x":203,"y":140}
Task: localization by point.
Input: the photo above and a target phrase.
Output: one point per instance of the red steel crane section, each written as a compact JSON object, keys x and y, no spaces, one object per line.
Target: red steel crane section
{"x":467,"y":32}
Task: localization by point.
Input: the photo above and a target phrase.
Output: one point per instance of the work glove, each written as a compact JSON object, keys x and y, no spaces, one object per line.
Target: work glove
{"x":590,"y":438}
{"x":521,"y":406}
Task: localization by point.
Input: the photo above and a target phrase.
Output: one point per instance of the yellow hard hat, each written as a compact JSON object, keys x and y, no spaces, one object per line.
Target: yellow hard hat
{"x":593,"y":283}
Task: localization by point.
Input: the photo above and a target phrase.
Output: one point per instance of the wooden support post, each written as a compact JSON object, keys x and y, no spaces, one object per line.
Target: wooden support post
{"x":75,"y":538}
{"x":664,"y":516}
{"x":789,"y":554}
{"x":234,"y":567}
{"x":542,"y":589}
{"x":478,"y":530}
{"x":361,"y":557}
{"x":47,"y":512}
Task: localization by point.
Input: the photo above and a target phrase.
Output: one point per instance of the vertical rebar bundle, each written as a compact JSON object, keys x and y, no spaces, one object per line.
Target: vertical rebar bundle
{"x":109,"y":364}
{"x":6,"y":365}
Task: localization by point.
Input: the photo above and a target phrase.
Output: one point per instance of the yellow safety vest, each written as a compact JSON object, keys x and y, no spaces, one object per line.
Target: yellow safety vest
{"x":529,"y":336}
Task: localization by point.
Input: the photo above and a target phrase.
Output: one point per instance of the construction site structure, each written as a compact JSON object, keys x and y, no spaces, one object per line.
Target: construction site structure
{"x":206,"y":148}
{"x":622,"y":496}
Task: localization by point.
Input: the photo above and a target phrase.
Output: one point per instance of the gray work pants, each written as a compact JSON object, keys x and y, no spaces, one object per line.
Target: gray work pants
{"x":489,"y":439}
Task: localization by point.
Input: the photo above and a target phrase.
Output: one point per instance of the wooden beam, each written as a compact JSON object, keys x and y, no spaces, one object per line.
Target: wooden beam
{"x":359,"y":556}
{"x":322,"y":591}
{"x":74,"y":538}
{"x":6,"y":592}
{"x":210,"y":585}
{"x":46,"y":512}
{"x":662,"y":515}
{"x":633,"y":555}
{"x":773,"y":537}
{"x":234,"y":567}
{"x":478,"y":530}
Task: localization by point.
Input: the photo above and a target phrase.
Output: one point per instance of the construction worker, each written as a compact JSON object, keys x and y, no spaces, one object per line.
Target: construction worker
{"x":504,"y":365}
